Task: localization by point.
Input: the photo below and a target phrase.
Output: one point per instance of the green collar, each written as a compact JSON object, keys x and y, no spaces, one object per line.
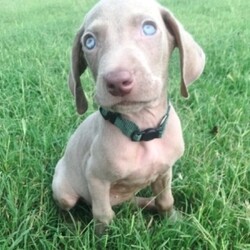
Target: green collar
{"x":131,"y":130}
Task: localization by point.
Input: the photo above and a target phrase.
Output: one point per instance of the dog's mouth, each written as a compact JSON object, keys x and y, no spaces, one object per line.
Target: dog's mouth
{"x":130,"y":106}
{"x":131,"y":103}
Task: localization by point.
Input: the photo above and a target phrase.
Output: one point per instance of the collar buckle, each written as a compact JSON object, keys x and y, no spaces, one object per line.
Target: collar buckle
{"x":146,"y":135}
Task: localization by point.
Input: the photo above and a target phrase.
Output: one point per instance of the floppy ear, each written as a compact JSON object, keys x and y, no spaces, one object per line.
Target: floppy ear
{"x":192,"y":57}
{"x":78,"y":66}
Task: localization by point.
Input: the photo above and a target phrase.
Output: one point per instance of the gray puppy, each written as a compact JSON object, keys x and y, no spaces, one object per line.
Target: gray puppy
{"x":136,"y":137}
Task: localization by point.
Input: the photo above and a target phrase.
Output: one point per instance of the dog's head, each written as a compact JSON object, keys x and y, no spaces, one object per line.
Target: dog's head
{"x":127,"y":46}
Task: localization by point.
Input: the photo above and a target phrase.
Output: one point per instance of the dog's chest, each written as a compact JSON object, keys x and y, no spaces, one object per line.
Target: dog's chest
{"x":138,"y":169}
{"x":150,"y":162}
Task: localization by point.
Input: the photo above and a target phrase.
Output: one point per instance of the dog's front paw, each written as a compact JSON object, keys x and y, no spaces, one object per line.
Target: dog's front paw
{"x":102,"y":222}
{"x":173,"y":216}
{"x":101,"y":228}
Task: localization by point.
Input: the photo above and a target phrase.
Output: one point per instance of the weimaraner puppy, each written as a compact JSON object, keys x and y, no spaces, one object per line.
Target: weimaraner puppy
{"x":135,"y":137}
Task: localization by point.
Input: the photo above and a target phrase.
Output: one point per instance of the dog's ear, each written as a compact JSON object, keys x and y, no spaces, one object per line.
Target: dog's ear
{"x":192,"y":57}
{"x":78,"y":66}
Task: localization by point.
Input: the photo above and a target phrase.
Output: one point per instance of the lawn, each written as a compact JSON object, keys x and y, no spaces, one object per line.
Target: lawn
{"x":37,"y":115}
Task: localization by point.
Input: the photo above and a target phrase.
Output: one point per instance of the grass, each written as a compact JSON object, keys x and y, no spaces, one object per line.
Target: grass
{"x":211,"y":182}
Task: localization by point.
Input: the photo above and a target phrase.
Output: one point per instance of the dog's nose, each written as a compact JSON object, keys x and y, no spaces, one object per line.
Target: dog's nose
{"x":119,"y":82}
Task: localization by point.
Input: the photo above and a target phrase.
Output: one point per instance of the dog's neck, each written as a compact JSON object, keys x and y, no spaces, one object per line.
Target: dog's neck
{"x":150,"y":115}
{"x":154,"y":129}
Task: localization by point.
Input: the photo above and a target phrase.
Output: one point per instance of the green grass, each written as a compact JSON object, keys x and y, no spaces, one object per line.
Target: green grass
{"x":211,"y":182}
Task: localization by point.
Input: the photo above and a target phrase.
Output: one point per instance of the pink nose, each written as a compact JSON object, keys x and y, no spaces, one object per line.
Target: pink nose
{"x":119,"y":82}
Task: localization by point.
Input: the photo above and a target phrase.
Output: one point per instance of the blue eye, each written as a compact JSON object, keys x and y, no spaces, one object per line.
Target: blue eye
{"x":89,"y":42}
{"x":149,"y":28}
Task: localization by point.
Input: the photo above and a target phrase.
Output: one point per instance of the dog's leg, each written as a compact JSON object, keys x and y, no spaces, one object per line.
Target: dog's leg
{"x":163,"y":200}
{"x":63,"y":193}
{"x":101,"y":207}
{"x":163,"y":195}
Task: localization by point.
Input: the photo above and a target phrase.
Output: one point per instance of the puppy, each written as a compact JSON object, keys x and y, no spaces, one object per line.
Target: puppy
{"x":135,"y":137}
